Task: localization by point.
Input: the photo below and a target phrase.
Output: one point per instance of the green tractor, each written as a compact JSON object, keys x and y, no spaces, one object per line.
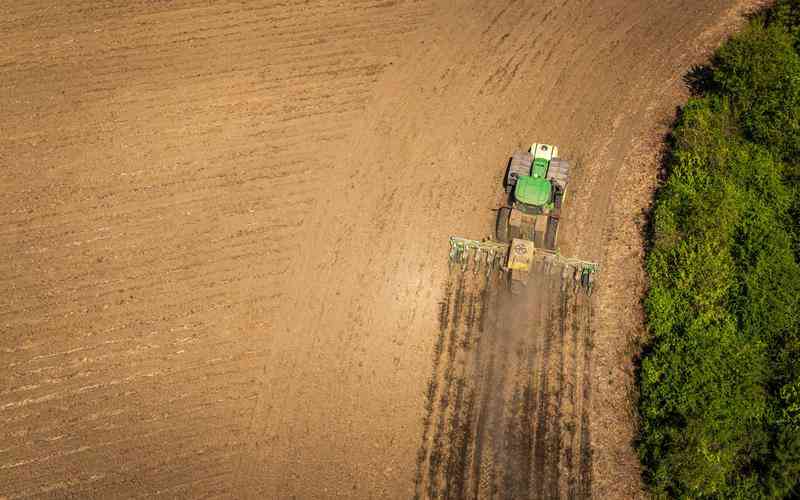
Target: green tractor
{"x":536,"y":182}
{"x":527,"y":228}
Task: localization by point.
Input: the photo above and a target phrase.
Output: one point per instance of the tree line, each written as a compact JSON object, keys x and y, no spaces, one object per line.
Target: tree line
{"x":719,"y":377}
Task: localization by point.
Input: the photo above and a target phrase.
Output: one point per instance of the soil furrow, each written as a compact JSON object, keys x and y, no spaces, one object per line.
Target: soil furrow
{"x":437,"y":456}
{"x":430,"y":393}
{"x":586,"y":452}
{"x":540,"y":454}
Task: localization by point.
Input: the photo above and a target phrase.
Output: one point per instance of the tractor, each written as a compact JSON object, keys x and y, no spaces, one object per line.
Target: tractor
{"x":527,"y":227}
{"x":536,"y":182}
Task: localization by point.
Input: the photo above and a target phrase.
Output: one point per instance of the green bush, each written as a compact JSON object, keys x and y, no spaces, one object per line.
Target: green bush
{"x":720,"y":379}
{"x":760,"y":71}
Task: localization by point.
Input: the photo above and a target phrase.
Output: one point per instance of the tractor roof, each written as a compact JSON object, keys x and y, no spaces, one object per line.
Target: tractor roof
{"x":533,"y":190}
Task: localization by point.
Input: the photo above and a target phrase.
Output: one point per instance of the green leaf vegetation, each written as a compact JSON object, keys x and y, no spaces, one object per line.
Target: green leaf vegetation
{"x":720,"y":378}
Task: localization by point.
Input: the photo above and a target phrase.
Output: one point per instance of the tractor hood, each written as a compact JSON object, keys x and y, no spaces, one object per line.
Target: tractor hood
{"x":533,"y":190}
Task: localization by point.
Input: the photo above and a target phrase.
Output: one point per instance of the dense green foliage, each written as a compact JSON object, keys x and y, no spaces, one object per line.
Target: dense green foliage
{"x":720,"y":378}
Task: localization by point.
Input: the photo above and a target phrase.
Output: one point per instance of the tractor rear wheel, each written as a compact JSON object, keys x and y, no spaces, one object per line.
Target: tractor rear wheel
{"x":558,"y":199}
{"x":501,"y":229}
{"x":551,"y":234}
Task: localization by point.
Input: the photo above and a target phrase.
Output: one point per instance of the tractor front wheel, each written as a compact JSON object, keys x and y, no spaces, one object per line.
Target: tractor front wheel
{"x":502,"y":227}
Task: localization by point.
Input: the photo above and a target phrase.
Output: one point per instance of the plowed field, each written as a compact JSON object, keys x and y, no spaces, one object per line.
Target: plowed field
{"x":223,"y":230}
{"x":507,"y":408}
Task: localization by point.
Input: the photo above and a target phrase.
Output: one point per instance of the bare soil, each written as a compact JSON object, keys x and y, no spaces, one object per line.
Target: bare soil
{"x":223,"y":230}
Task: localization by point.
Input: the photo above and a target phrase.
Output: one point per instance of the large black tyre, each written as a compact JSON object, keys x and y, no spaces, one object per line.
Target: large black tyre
{"x":551,"y":234}
{"x":501,"y":228}
{"x":558,"y":202}
{"x":558,"y":199}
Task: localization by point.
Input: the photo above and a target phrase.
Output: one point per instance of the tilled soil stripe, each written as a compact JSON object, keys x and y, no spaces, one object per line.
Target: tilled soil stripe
{"x":437,"y":473}
{"x":430,"y":395}
{"x":585,"y":485}
{"x":543,"y":396}
{"x":458,"y":423}
{"x":572,"y":420}
{"x":555,"y":441}
{"x":489,"y":300}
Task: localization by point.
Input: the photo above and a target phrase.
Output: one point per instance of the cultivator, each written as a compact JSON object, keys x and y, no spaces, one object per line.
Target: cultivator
{"x":484,"y":256}
{"x":517,"y":259}
{"x":526,"y":231}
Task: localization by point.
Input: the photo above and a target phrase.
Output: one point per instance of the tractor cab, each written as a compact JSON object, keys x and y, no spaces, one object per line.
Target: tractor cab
{"x":532,"y":194}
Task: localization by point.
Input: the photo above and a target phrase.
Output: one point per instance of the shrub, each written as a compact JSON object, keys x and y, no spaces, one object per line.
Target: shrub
{"x":720,"y":378}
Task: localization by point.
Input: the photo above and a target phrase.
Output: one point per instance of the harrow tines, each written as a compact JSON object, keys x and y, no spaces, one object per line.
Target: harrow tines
{"x":454,"y":249}
{"x":455,"y":253}
{"x":564,"y":273}
{"x":486,"y":253}
{"x":489,"y":262}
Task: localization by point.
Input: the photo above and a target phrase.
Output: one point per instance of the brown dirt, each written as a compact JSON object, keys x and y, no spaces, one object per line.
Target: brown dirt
{"x":224,"y":238}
